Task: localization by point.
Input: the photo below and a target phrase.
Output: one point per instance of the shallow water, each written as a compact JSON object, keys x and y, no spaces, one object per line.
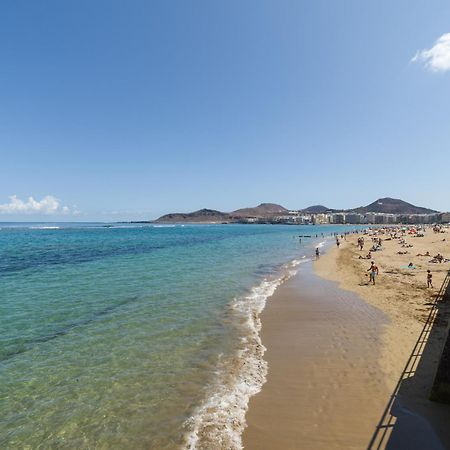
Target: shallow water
{"x":117,"y":337}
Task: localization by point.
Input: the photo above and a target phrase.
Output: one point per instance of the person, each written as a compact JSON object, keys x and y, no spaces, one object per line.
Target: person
{"x":361,"y":243}
{"x":429,"y":279}
{"x":317,"y":252}
{"x":373,"y":269}
{"x":438,"y":258}
{"x":338,"y":243}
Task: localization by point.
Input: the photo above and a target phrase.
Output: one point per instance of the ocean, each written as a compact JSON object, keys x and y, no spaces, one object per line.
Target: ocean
{"x":136,"y":336}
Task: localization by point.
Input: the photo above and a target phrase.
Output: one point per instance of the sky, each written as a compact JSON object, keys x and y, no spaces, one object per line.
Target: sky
{"x":113,"y":110}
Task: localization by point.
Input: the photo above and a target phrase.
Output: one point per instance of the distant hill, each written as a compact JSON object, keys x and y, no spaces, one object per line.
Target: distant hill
{"x":202,"y":215}
{"x":316,"y":209}
{"x":392,"y":206}
{"x":262,"y":210}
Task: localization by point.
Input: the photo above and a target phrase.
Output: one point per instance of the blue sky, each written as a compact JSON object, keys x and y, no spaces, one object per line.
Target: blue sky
{"x":128,"y":110}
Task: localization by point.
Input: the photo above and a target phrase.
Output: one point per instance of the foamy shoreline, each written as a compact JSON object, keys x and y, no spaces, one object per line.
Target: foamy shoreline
{"x":220,"y":421}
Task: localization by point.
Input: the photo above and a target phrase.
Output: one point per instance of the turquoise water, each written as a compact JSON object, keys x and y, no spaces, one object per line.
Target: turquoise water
{"x":112,"y":337}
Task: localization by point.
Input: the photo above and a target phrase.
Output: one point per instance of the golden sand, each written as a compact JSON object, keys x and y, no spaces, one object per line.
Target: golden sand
{"x":401,"y":293}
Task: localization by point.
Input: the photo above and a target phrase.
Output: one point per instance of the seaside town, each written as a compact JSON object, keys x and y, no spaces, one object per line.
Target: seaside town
{"x":298,"y":217}
{"x":384,"y":211}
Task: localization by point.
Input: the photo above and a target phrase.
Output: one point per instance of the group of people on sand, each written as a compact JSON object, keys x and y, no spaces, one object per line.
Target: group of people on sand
{"x":438,"y":259}
{"x":435,"y":259}
{"x":377,"y":246}
{"x":374,"y":271}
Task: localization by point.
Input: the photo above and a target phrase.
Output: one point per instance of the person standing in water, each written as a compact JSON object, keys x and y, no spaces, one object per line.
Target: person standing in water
{"x":317,"y":253}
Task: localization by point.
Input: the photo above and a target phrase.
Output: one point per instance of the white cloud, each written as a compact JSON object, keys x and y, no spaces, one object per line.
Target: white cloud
{"x":48,"y":205}
{"x":437,"y":58}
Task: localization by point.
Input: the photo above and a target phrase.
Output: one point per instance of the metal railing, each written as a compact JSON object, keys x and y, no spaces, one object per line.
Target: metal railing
{"x":387,"y":421}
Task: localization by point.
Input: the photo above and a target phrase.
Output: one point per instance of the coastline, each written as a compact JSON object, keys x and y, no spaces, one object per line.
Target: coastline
{"x":298,"y":408}
{"x":320,"y":370}
{"x":219,"y":421}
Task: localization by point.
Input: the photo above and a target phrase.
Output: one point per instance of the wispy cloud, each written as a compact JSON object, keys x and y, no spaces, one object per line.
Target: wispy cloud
{"x":48,"y":205}
{"x":436,"y":58}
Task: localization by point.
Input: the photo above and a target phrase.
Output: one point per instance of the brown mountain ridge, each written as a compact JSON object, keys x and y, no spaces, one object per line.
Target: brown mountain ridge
{"x":385,"y":205}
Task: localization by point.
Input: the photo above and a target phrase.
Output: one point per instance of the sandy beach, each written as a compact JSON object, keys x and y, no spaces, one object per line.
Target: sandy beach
{"x":337,"y":345}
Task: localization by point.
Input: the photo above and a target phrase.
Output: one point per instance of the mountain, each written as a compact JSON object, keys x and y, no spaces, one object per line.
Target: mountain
{"x":392,"y":206}
{"x":262,"y":210}
{"x":202,"y":215}
{"x":316,"y":209}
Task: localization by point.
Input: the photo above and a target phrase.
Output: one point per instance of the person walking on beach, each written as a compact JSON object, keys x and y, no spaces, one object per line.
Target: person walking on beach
{"x":373,"y":269}
{"x":429,"y":279}
{"x":317,"y":253}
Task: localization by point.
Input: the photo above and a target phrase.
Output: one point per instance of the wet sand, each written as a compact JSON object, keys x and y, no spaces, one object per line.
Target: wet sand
{"x":325,"y":388}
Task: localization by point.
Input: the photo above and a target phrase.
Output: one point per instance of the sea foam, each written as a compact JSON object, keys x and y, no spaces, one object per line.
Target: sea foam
{"x":220,"y":421}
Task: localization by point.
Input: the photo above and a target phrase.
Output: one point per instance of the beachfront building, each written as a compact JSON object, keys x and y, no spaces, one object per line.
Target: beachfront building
{"x":355,"y":218}
{"x":250,"y":220}
{"x":418,"y":218}
{"x":287,"y":218}
{"x":338,"y":218}
{"x":294,"y":218}
{"x":320,"y":219}
{"x":306,"y":219}
{"x":444,"y":217}
{"x":390,"y":219}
